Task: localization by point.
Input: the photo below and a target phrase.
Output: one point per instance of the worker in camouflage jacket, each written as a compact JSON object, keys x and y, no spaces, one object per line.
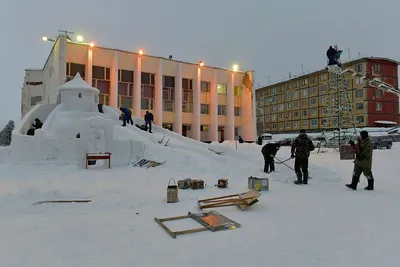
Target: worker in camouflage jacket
{"x":301,"y":147}
{"x":363,"y":161}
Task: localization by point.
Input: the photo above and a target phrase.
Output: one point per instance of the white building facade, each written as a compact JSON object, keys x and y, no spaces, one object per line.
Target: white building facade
{"x":201,"y":102}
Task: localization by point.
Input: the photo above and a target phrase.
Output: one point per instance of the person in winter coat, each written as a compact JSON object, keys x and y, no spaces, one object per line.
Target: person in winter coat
{"x":363,"y":161}
{"x":38,"y":124}
{"x":331,"y":54}
{"x":148,"y":118}
{"x":259,"y":140}
{"x":269,"y":152}
{"x":127,"y":116}
{"x":301,"y":147}
{"x":240,"y":140}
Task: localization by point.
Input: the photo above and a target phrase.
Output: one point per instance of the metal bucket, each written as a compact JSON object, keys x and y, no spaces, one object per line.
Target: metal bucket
{"x":259,"y":184}
{"x":172,"y":192}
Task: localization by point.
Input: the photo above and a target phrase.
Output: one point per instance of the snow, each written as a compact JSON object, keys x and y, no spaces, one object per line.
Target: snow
{"x":321,"y":224}
{"x":386,"y":122}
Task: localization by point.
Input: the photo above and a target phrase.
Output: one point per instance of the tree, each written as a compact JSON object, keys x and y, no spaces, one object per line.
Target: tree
{"x":5,"y":134}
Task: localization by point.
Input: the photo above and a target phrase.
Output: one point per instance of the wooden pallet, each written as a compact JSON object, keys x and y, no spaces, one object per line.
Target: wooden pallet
{"x":242,"y":200}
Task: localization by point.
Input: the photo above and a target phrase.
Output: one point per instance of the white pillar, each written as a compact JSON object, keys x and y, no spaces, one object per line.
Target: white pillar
{"x":248,"y":128}
{"x":196,"y":106}
{"x":158,"y":94}
{"x":178,"y":101}
{"x":113,"y":100}
{"x":213,"y":127}
{"x":137,"y":92}
{"x":62,"y":60}
{"x":89,"y":66}
{"x":230,"y":120}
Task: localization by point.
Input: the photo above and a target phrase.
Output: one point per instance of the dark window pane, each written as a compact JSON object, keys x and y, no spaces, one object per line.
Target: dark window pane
{"x":107,"y":73}
{"x":122,"y":88}
{"x":127,"y":76}
{"x":75,"y":68}
{"x":98,"y":72}
{"x":103,"y":86}
{"x":145,"y":78}
{"x":131,"y":89}
{"x":169,"y":81}
{"x":147,"y":91}
{"x":152,"y":79}
{"x":67,"y":69}
{"x":185,"y":83}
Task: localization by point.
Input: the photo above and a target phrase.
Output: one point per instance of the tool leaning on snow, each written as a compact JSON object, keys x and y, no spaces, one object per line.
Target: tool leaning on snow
{"x":283,"y":162}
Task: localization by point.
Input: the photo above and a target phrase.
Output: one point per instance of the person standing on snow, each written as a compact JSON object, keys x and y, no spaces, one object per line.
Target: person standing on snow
{"x":148,"y":118}
{"x":240,"y":140}
{"x":127,"y":116}
{"x":301,"y":147}
{"x":269,"y":152}
{"x":363,"y":161}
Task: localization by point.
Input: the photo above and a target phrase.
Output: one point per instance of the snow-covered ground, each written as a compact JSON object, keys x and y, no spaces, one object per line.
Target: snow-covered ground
{"x":320,"y":224}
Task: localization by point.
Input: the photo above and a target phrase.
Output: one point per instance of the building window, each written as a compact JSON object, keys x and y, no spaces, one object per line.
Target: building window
{"x":101,"y":80}
{"x":377,"y":68}
{"x":222,"y":110}
{"x":296,"y":124}
{"x":168,"y":93}
{"x":272,"y":100}
{"x":378,"y":93}
{"x":358,"y":81}
{"x":237,"y":90}
{"x":35,"y":100}
{"x":296,"y":84}
{"x":359,"y":68}
{"x":305,"y":123}
{"x":359,"y":93}
{"x":314,"y":112}
{"x":205,"y":86}
{"x":147,"y":90}
{"x":304,"y":103}
{"x":72,"y":69}
{"x":295,"y":94}
{"x":280,"y":97}
{"x":305,"y":92}
{"x":313,"y":80}
{"x":268,"y":109}
{"x":287,"y":115}
{"x":314,"y":90}
{"x":204,"y":128}
{"x":274,"y":117}
{"x":323,"y":122}
{"x":221,"y":89}
{"x":360,"y":119}
{"x":313,"y":101}
{"x":187,"y":84}
{"x":304,"y":113}
{"x":295,"y":114}
{"x":287,"y":105}
{"x":274,"y":126}
{"x":281,"y":116}
{"x":267,"y":118}
{"x":359,"y":106}
{"x":323,"y":88}
{"x":287,"y":96}
{"x":295,"y":104}
{"x":288,"y":125}
{"x":323,"y":99}
{"x":125,"y":88}
{"x":187,"y":95}
{"x":237,"y":111}
{"x":274,"y":108}
{"x":323,"y":77}
{"x":379,"y":106}
{"x":314,"y":123}
{"x":274,"y":91}
{"x":205,"y":109}
{"x":281,"y":107}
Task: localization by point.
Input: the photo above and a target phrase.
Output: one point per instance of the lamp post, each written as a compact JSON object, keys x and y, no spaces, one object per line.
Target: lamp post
{"x":263,"y":125}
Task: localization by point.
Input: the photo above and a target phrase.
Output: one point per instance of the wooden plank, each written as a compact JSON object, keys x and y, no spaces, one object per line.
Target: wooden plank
{"x":174,"y":218}
{"x":165,"y":228}
{"x":191,"y":231}
{"x":64,"y":201}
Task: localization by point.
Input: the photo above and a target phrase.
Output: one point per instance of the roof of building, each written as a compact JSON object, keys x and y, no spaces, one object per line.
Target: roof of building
{"x":146,"y":55}
{"x":351,"y":62}
{"x":77,"y":84}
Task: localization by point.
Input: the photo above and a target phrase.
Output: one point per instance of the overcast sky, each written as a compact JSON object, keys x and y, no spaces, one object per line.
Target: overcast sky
{"x":273,"y":37}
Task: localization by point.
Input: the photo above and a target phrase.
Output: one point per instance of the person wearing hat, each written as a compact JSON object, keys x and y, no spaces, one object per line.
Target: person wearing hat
{"x":301,"y":148}
{"x":363,"y":161}
{"x":269,"y":152}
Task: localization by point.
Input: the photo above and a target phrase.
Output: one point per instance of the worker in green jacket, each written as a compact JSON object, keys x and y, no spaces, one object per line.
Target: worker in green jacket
{"x":363,"y":162}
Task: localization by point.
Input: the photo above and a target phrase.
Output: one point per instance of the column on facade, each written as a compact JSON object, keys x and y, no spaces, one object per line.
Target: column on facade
{"x":137,"y":92}
{"x":213,"y":127}
{"x":158,"y":94}
{"x":61,"y":67}
{"x":248,"y":128}
{"x":113,"y":100}
{"x":196,"y":106}
{"x":89,"y":66}
{"x":178,"y":100}
{"x":230,"y":103}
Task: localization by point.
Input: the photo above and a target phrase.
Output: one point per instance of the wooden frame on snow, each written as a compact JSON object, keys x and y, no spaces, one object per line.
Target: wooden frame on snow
{"x":242,"y":200}
{"x":63,"y":201}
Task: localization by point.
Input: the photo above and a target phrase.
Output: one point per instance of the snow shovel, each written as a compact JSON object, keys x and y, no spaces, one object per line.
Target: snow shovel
{"x":283,"y":162}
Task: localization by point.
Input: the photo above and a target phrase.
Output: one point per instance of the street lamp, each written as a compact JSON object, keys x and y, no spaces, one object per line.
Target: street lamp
{"x":79,"y":38}
{"x":47,"y":39}
{"x":235,"y":67}
{"x":201,"y":63}
{"x":91,"y":44}
{"x":141,"y":52}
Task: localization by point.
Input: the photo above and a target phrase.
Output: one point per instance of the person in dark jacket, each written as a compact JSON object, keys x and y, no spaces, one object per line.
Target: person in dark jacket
{"x":148,"y":118}
{"x":127,"y":116}
{"x":38,"y":124}
{"x":301,"y":147}
{"x":259,"y":140}
{"x":240,"y":140}
{"x":331,"y":54}
{"x":363,"y":161}
{"x":269,"y":152}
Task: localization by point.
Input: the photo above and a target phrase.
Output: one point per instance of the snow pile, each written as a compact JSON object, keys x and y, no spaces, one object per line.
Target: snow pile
{"x":321,"y":224}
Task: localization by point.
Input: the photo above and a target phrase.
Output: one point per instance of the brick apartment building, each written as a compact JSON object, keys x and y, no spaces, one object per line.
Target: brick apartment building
{"x":298,"y":103}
